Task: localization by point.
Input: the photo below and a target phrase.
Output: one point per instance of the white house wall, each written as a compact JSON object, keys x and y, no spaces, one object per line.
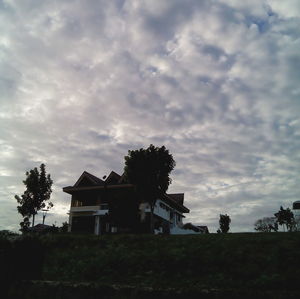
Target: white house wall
{"x":159,"y":211}
{"x":163,"y":213}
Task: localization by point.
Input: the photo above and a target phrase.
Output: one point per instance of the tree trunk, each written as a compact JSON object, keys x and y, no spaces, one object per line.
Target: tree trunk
{"x":33,"y":220}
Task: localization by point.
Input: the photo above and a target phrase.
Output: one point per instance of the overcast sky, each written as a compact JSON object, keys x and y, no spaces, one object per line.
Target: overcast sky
{"x":216,"y":82}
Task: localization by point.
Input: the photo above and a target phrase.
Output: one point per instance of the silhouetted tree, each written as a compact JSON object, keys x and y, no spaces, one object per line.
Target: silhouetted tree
{"x":224,"y":223}
{"x":285,"y":217}
{"x":149,"y":170}
{"x":123,"y":211}
{"x":38,"y":190}
{"x":25,"y":224}
{"x":64,"y":227}
{"x":266,"y":224}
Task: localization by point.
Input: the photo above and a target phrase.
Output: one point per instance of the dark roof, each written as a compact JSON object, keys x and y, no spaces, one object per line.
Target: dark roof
{"x":72,"y":189}
{"x":88,"y":181}
{"x":196,"y":228}
{"x":203,"y":228}
{"x":91,"y":178}
{"x":177,"y":202}
{"x":113,"y":179}
{"x":178,"y":197}
{"x":96,"y":179}
{"x":123,"y":179}
{"x":40,"y":228}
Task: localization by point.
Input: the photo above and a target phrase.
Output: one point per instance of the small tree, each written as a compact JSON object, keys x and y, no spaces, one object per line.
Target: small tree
{"x":149,"y":170}
{"x":266,"y":224}
{"x":38,"y":190}
{"x":224,"y":223}
{"x":64,"y":227}
{"x":285,"y":217}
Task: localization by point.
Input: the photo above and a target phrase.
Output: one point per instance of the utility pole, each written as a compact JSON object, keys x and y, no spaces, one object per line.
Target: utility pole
{"x":44,"y":215}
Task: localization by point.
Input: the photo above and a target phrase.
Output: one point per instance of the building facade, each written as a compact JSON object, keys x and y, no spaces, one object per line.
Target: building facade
{"x":296,"y":212}
{"x":111,"y":205}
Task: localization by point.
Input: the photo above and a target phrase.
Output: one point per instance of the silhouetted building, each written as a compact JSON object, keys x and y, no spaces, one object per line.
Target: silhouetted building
{"x":111,"y":205}
{"x":41,"y":228}
{"x":296,"y":212}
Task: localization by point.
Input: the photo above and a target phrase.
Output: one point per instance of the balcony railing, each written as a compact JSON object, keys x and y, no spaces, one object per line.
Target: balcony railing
{"x":85,"y":208}
{"x":102,"y":207}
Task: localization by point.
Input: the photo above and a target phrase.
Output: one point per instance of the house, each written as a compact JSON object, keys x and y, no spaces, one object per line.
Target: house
{"x":111,"y":205}
{"x":296,"y":212}
{"x":196,"y":228}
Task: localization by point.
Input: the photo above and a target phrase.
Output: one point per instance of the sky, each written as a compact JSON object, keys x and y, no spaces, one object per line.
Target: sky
{"x":216,"y":82}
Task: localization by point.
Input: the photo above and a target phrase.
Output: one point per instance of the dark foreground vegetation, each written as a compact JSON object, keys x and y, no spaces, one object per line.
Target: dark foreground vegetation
{"x":208,"y":266}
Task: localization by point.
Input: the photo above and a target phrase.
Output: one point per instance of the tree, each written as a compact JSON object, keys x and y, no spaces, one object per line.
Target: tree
{"x":38,"y":190}
{"x":224,"y":223}
{"x":266,"y":224}
{"x":285,"y":217}
{"x":64,"y":227}
{"x":25,"y":223}
{"x":149,"y":170}
{"x":123,"y":211}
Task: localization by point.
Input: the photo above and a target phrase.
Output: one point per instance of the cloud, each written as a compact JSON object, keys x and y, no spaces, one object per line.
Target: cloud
{"x":217,"y":83}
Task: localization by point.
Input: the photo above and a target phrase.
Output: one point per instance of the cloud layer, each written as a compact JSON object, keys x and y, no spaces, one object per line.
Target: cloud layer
{"x":216,"y":82}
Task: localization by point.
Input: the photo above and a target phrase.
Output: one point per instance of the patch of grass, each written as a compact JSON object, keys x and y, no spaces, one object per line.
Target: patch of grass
{"x":250,"y":260}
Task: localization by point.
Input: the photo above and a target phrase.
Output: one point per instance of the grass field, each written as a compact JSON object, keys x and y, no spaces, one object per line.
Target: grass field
{"x":268,"y":261}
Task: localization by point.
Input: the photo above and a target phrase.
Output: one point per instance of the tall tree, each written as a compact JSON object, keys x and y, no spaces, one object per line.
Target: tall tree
{"x":35,"y":197}
{"x":224,"y":223}
{"x":285,"y":217}
{"x":149,"y":170}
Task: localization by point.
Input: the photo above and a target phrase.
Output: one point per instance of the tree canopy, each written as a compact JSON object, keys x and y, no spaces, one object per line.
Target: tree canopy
{"x":224,"y":223}
{"x":38,"y":190}
{"x":285,"y":217}
{"x":149,"y":170}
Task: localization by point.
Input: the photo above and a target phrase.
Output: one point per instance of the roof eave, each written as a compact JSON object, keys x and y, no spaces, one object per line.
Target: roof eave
{"x":182,"y":208}
{"x":71,"y":189}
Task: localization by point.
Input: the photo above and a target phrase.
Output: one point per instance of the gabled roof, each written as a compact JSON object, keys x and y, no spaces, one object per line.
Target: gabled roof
{"x":177,"y":201}
{"x":123,"y":179}
{"x":90,"y":182}
{"x":113,"y":178}
{"x":94,"y":181}
{"x":178,"y":197}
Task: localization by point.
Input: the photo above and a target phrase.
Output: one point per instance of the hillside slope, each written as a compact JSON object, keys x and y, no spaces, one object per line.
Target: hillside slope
{"x":238,"y":261}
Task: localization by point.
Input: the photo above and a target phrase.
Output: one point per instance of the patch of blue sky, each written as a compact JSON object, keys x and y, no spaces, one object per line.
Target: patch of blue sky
{"x":263,"y":25}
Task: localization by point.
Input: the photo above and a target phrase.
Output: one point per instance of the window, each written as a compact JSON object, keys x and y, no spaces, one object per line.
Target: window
{"x":76,"y":203}
{"x":81,"y":201}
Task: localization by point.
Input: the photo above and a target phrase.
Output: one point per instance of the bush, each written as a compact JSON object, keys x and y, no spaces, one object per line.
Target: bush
{"x":28,"y":257}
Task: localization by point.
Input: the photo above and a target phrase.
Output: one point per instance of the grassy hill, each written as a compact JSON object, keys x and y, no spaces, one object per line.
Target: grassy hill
{"x":267,"y":261}
{"x":249,"y":262}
